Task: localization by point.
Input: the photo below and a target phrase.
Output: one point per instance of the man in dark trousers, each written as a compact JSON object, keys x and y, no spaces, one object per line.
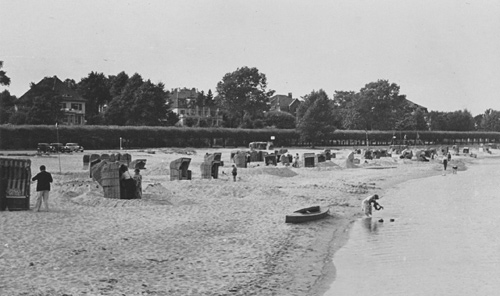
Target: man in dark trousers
{"x":43,"y":179}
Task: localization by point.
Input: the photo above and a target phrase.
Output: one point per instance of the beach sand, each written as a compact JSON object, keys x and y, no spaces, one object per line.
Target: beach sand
{"x":198,"y":237}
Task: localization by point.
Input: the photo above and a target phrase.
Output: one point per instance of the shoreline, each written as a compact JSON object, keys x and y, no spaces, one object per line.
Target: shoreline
{"x":199,"y":237}
{"x":329,"y":270}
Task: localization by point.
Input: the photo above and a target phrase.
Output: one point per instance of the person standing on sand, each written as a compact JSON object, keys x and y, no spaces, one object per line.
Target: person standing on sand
{"x":43,"y":179}
{"x":234,"y":172}
{"x":445,"y":161}
{"x":296,"y":161}
{"x":366,"y":205}
{"x":138,"y":183}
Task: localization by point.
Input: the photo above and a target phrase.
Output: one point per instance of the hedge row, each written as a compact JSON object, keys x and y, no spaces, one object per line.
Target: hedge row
{"x":108,"y":137}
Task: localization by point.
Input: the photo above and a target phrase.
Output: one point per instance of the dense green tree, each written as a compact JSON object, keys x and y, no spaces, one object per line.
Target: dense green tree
{"x":279,"y":119}
{"x":315,"y":117}
{"x":71,"y":84}
{"x":379,"y":104}
{"x":460,"y":120}
{"x":4,"y":79}
{"x":119,"y":109}
{"x":46,"y":109}
{"x":478,"y":119}
{"x":438,"y":121}
{"x":209,"y":99}
{"x":490,"y":121}
{"x":451,"y":121}
{"x":117,"y":84}
{"x":95,"y":89}
{"x":7,"y":106}
{"x":20,"y":116}
{"x":244,"y":91}
{"x":149,"y":106}
{"x":344,"y":107}
{"x":201,"y":99}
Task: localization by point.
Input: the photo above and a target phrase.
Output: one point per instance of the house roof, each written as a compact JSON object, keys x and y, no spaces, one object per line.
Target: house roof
{"x":282,"y":100}
{"x":59,"y":87}
{"x":415,"y":106}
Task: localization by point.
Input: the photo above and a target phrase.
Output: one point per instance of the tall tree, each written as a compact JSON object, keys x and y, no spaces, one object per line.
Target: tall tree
{"x":4,"y":79}
{"x":7,"y":103}
{"x":379,"y":105}
{"x":200,"y":99}
{"x":460,"y":120}
{"x":71,"y":83}
{"x":451,"y":121}
{"x":209,"y":99}
{"x":117,"y":83}
{"x":490,"y":121}
{"x":315,"y":117}
{"x":119,"y":108}
{"x":149,"y":106}
{"x":95,"y":89}
{"x":244,"y":91}
{"x":344,"y":107}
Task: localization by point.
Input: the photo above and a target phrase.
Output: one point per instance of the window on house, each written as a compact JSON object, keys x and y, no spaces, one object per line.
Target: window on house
{"x":63,"y":105}
{"x":76,"y":106}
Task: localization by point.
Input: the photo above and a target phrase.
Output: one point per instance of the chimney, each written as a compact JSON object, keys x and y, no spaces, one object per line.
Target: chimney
{"x":290,"y":95}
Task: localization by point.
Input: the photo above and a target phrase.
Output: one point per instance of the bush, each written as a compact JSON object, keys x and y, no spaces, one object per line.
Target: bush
{"x":279,"y":119}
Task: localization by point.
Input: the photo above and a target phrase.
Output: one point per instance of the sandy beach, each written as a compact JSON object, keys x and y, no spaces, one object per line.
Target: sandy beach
{"x":198,"y":237}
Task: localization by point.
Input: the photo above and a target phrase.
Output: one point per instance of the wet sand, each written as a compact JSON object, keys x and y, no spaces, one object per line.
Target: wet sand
{"x":198,"y":237}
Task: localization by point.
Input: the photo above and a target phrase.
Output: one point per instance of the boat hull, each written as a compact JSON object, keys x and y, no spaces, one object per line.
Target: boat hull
{"x":306,"y":215}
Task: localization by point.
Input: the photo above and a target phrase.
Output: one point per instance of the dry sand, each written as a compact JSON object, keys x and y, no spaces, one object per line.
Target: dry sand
{"x":198,"y":237}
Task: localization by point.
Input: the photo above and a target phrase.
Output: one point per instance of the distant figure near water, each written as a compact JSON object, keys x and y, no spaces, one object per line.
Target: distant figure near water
{"x":368,"y":203}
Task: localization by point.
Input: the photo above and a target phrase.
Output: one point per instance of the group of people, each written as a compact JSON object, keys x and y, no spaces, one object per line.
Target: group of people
{"x":130,"y":186}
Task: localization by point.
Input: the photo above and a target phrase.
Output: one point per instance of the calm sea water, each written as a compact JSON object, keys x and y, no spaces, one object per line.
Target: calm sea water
{"x":445,"y":239}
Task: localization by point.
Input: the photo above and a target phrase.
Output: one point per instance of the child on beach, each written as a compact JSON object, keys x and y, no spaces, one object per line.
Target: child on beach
{"x":138,"y":183}
{"x":445,"y":161}
{"x":234,"y":172}
{"x":366,"y":205}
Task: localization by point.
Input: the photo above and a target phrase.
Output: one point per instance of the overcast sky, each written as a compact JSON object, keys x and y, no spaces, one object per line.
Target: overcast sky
{"x":445,"y":55}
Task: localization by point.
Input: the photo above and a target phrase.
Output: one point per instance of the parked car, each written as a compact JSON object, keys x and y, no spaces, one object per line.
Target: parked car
{"x":73,"y":147}
{"x":56,"y":147}
{"x":43,"y":148}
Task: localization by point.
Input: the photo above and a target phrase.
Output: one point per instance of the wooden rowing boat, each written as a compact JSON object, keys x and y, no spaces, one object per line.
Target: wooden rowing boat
{"x":306,"y":215}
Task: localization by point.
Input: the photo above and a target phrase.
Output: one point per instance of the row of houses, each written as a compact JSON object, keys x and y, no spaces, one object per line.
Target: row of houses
{"x":182,"y":102}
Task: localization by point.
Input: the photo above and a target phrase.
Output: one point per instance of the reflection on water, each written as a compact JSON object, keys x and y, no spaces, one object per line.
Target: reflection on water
{"x":370,"y":226}
{"x":445,"y":240}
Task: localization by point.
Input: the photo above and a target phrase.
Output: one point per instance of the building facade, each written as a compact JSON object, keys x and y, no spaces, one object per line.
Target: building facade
{"x":72,"y":104}
{"x":183,"y":103}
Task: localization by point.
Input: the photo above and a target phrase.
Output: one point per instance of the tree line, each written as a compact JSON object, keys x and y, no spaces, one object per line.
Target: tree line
{"x":243,"y":100}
